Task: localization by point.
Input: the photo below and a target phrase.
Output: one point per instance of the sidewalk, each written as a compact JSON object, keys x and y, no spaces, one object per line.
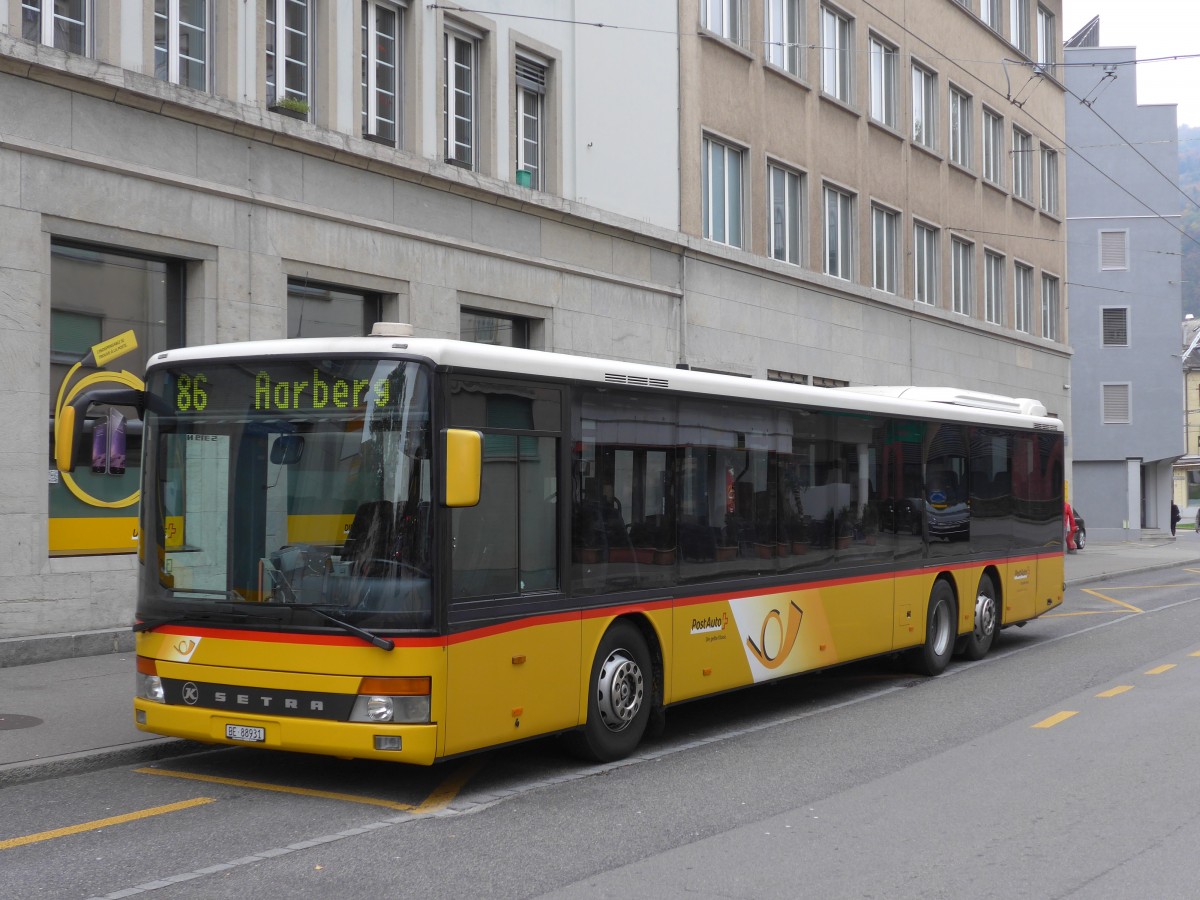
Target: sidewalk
{"x":76,"y":715}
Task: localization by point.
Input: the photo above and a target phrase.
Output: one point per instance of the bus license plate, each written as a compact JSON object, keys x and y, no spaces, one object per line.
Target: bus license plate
{"x":249,"y":733}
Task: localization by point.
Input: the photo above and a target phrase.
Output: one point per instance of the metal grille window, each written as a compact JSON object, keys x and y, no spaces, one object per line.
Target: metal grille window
{"x":531,"y":123}
{"x":1050,"y":308}
{"x":784,"y":28}
{"x":181,"y":42}
{"x":1022,"y":164}
{"x":1114,"y":250}
{"x":723,"y":17}
{"x":722,"y":193}
{"x":993,"y":147}
{"x":1115,"y":402}
{"x":287,"y":69}
{"x":1114,"y":326}
{"x":458,"y":99}
{"x":62,"y":24}
{"x":883,"y":82}
{"x":960,"y":128}
{"x":1049,"y":180}
{"x":1023,"y":298}
{"x":993,"y":287}
{"x":787,"y":220}
{"x":839,"y":234}
{"x":924,"y":88}
{"x":962,"y":275}
{"x":925,"y":263}
{"x":381,"y":24}
{"x":885,"y":224}
{"x":836,"y":55}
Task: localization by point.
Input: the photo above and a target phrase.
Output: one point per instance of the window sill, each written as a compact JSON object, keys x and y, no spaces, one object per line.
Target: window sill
{"x":998,"y":188}
{"x":885,"y":129}
{"x":785,"y":75}
{"x":961,"y":169}
{"x":1025,"y":201}
{"x":1052,"y":216}
{"x":929,"y":151}
{"x":838,"y":103}
{"x":290,"y":113}
{"x":376,"y":139}
{"x":707,"y":35}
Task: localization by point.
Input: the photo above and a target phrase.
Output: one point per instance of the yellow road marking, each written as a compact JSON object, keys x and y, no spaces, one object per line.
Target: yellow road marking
{"x":1055,"y":719}
{"x":441,"y":797}
{"x":1082,"y":612}
{"x":1112,"y":692}
{"x":1158,"y":670}
{"x":1127,"y":606}
{"x":1197,"y":653}
{"x":103,"y":823}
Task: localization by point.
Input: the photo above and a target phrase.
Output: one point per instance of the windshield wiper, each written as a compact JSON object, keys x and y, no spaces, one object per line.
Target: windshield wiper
{"x":374,"y":639}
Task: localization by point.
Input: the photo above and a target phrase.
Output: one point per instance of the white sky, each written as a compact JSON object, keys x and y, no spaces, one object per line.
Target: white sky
{"x":1156,"y":28}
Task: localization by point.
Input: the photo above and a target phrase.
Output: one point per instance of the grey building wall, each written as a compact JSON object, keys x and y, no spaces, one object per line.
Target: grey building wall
{"x":1122,"y":178}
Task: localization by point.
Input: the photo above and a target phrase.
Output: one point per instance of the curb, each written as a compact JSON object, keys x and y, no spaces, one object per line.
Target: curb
{"x":85,"y":761}
{"x":1152,"y":567}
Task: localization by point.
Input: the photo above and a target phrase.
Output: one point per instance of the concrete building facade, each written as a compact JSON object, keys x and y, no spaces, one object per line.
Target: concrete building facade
{"x":1124,"y":237}
{"x":266,"y":171}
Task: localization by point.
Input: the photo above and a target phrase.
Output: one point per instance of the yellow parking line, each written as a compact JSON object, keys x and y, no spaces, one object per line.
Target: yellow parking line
{"x":448,"y":789}
{"x":103,"y":823}
{"x":1158,"y":670}
{"x":278,"y":788}
{"x":1055,"y":719}
{"x":1197,"y":653}
{"x":1119,"y":689}
{"x":1127,"y":606}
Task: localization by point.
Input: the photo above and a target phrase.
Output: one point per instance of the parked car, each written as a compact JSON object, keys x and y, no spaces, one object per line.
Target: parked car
{"x":1080,"y":529}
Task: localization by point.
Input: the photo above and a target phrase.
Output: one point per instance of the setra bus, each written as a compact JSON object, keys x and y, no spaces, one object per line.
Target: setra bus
{"x":407,"y":549}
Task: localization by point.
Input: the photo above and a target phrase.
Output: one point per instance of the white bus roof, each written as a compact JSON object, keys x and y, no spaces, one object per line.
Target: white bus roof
{"x":922,"y":402}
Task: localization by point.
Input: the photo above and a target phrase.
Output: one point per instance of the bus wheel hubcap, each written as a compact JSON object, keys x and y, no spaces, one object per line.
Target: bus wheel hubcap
{"x":985,"y":616}
{"x":619,"y":690}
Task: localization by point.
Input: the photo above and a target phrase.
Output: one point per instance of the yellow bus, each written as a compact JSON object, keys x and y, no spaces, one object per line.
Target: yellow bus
{"x":408,"y":549}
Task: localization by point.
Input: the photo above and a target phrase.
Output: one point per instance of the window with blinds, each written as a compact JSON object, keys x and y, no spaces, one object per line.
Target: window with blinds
{"x":1114,"y":250}
{"x":1114,"y":326}
{"x":1115,"y":399}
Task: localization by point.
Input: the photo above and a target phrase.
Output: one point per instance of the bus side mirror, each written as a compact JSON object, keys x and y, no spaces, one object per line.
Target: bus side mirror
{"x":68,"y":425}
{"x":464,"y":467}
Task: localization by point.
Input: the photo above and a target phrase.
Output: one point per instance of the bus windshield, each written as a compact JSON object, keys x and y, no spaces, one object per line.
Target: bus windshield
{"x":279,"y":493}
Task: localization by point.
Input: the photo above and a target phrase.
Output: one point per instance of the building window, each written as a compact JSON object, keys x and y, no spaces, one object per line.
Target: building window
{"x":1114,"y":326}
{"x":381,"y":24}
{"x":839,"y":234}
{"x":1114,"y":251}
{"x":924,"y":87}
{"x":62,"y":25}
{"x":322,"y":310}
{"x":837,"y":58}
{"x":1022,"y":164}
{"x":883,"y":82}
{"x":181,"y":42}
{"x":990,"y":12}
{"x":993,"y":147}
{"x":962,"y":275}
{"x":483,"y":327}
{"x":993,"y":288}
{"x":1115,"y":403}
{"x":722,"y":193}
{"x":960,"y":129}
{"x":787,"y":215}
{"x":1050,"y":308}
{"x":1046,"y":41}
{"x":1049,"y":180}
{"x":1019,"y":12}
{"x":1022,"y":298}
{"x":458,"y":99}
{"x":723,"y":17}
{"x":784,"y":28}
{"x":531,"y":123}
{"x":288,"y":30}
{"x":925,"y":263}
{"x":885,"y":225}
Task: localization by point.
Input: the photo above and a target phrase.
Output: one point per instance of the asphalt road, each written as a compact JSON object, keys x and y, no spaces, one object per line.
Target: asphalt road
{"x":1063,"y":765}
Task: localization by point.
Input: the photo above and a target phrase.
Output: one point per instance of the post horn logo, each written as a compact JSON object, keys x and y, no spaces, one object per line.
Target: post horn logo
{"x":184,"y":646}
{"x":787,"y":635}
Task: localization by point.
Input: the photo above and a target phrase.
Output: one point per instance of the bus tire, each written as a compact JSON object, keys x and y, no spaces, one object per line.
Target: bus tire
{"x":932,"y":657}
{"x":620,"y":694}
{"x":987,"y":620}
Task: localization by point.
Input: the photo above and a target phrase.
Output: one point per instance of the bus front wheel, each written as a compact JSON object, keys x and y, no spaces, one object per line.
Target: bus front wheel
{"x":621,"y":693}
{"x":932,"y":657}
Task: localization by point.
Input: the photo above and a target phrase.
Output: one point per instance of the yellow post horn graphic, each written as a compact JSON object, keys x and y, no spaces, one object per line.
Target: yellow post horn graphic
{"x":795,"y":614}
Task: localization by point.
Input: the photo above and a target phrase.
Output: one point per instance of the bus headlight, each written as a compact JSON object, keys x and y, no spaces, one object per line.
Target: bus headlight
{"x":148,"y":685}
{"x":392,"y":700}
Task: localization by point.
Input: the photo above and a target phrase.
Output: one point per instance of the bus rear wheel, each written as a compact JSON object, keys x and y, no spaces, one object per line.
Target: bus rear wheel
{"x":987,"y":620}
{"x":620,"y":695}
{"x":932,"y":657}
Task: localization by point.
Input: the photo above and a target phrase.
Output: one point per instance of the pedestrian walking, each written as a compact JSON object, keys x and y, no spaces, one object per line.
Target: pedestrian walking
{"x":1174,"y":518}
{"x":1069,"y":527}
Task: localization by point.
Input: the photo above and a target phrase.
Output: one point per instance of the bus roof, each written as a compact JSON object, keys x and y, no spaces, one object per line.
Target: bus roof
{"x":465,"y":356}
